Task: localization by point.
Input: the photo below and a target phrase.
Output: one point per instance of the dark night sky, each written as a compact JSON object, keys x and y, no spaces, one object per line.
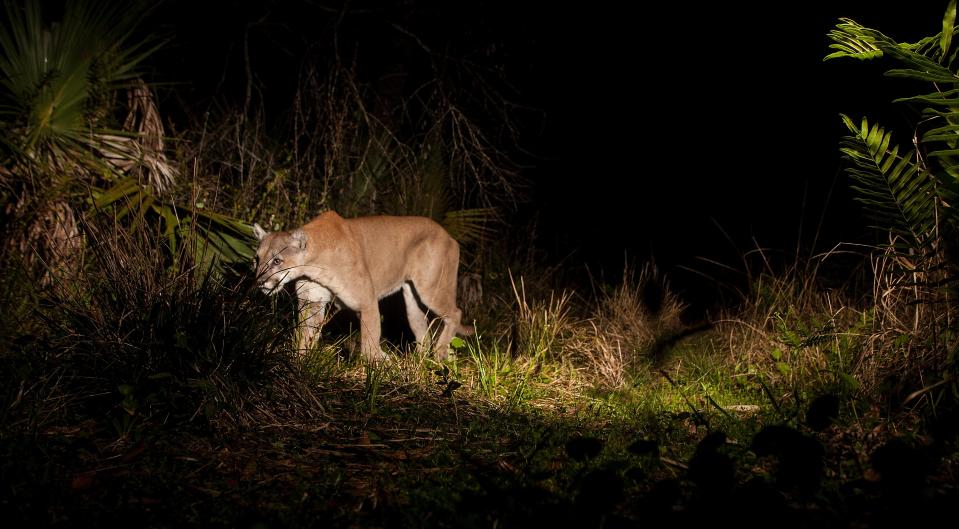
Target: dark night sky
{"x":658,"y":127}
{"x":685,"y":121}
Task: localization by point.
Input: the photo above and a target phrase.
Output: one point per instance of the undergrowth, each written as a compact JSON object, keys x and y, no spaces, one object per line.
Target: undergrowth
{"x":138,"y":383}
{"x":143,"y":383}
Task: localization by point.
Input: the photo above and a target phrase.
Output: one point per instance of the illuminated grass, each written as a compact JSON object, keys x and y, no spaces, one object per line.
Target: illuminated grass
{"x":531,"y":422}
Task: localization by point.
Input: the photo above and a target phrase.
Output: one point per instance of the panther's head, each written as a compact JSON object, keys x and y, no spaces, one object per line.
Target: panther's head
{"x":278,"y":258}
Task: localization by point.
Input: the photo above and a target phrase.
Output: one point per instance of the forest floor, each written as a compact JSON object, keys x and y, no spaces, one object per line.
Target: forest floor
{"x":409,"y":444}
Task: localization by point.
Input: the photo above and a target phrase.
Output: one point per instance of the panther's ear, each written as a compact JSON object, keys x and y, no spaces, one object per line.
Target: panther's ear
{"x":259,"y":232}
{"x":299,"y":239}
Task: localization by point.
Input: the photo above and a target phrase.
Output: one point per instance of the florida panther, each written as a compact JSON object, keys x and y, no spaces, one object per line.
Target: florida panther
{"x":355,"y":263}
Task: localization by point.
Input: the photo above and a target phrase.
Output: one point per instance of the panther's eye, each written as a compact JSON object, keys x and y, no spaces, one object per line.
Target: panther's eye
{"x":276,"y":261}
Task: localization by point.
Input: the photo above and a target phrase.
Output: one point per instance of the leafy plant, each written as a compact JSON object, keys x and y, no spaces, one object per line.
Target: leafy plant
{"x":212,"y":238}
{"x":58,"y":79}
{"x":911,"y":192}
{"x":59,"y":92}
{"x":899,"y":194}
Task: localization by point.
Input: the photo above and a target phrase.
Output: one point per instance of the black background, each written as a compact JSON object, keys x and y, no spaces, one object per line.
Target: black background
{"x":665,"y":131}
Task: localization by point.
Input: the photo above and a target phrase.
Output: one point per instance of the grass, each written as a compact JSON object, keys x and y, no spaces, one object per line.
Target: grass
{"x":140,"y":388}
{"x":160,"y":399}
{"x":144,"y":389}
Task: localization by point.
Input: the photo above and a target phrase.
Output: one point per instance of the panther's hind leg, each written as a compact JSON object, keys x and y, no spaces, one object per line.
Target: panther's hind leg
{"x":419,"y":323}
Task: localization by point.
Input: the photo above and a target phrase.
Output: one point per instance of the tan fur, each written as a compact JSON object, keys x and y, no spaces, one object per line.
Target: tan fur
{"x":356,"y":262}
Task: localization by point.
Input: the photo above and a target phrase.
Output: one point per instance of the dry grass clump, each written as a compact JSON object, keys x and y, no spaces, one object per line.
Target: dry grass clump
{"x":540,"y":328}
{"x":609,"y":338}
{"x":785,"y":340}
{"x":640,"y":309}
{"x":625,"y":323}
{"x":788,"y":329}
{"x":604,"y":356}
{"x":911,"y":338}
{"x":890,"y":341}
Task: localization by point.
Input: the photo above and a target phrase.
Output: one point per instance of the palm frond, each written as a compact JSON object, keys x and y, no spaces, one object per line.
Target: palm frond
{"x":213,"y":239}
{"x":470,"y":225}
{"x":55,"y":79}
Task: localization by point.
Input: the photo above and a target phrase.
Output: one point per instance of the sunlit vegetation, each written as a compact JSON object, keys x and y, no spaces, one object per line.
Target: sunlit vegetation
{"x":144,"y":381}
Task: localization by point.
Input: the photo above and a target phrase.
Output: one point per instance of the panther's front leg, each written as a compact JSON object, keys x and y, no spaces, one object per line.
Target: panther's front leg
{"x":370,"y":333}
{"x":314,"y":300}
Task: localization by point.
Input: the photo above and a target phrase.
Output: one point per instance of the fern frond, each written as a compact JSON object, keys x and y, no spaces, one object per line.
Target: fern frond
{"x":945,"y":98}
{"x":855,"y":41}
{"x":924,"y":60}
{"x":946,"y":133}
{"x":948,"y":26}
{"x":899,"y":194}
{"x":936,"y":75}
